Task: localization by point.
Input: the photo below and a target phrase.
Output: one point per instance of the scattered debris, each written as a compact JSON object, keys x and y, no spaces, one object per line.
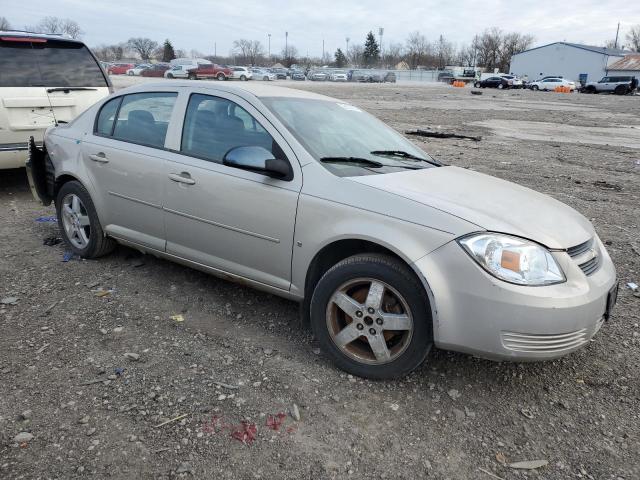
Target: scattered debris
{"x":274,"y":422}
{"x":454,"y":394}
{"x":434,"y":134}
{"x":91,"y":382}
{"x":526,"y":412}
{"x":607,"y":186}
{"x":633,"y":286}
{"x":23,"y":437}
{"x":48,"y":309}
{"x":395,"y":407}
{"x":103,"y":293}
{"x":175,"y":419}
{"x":132,"y":356}
{"x":246,"y":432}
{"x":67,"y":256}
{"x":51,"y":241}
{"x":225,"y":385}
{"x":184,"y":468}
{"x":177,"y":318}
{"x":501,"y":458}
{"x":119,"y":371}
{"x":9,"y":301}
{"x":42,"y":349}
{"x":476,"y":92}
{"x":490,"y":473}
{"x":51,"y":218}
{"x":528,"y":464}
{"x":295,"y":413}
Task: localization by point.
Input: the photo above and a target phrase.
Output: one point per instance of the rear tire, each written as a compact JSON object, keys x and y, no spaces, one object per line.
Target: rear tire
{"x":535,"y":88}
{"x":97,"y":244}
{"x":477,"y":85}
{"x":500,"y":86}
{"x":370,"y":348}
{"x":170,"y":75}
{"x":621,"y":90}
{"x":192,"y":76}
{"x":221,"y":76}
{"x":243,"y":78}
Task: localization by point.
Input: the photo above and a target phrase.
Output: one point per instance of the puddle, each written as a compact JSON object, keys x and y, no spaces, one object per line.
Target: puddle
{"x":621,"y":136}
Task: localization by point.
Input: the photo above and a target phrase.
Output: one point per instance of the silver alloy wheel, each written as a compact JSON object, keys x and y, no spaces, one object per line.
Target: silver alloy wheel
{"x":75,"y":221}
{"x":369,"y":321}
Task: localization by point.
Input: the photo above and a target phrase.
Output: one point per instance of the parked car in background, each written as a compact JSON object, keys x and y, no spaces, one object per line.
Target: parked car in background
{"x":241,"y":73}
{"x":298,"y":75}
{"x":280,"y":73}
{"x":513,"y":81}
{"x":199,"y":71}
{"x":137,"y":69}
{"x":550,"y":84}
{"x":390,"y":77}
{"x":120,"y":68}
{"x":492,"y":82}
{"x":263,"y":74}
{"x":178,"y":71}
{"x":620,"y":85}
{"x":318,"y":76}
{"x":44,"y":80}
{"x":338,"y":76}
{"x":155,"y":70}
{"x":389,"y":252}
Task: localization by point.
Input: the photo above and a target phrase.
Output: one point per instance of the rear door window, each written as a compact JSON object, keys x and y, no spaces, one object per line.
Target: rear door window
{"x":143,"y":118}
{"x":48,"y":63}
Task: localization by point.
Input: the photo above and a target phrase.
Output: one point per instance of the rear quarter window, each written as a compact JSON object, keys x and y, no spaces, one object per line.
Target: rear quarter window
{"x":143,"y":118}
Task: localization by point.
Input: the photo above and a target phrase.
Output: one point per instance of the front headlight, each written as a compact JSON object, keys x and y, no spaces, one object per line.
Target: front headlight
{"x":513,"y":259}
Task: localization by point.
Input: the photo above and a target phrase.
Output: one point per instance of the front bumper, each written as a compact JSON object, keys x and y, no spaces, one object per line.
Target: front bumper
{"x":481,"y":315}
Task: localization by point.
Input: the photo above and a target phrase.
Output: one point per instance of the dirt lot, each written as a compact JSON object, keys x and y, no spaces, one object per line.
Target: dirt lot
{"x":94,"y":411}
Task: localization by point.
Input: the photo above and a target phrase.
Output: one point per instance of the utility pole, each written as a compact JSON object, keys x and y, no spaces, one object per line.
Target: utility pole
{"x":215,"y":50}
{"x":323,"y":50}
{"x":269,"y":50}
{"x":346,"y":54}
{"x":381,"y":32}
{"x":617,"y":33}
{"x":286,"y":45}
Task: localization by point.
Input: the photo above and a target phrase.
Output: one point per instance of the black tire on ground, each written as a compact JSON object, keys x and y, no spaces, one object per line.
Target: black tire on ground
{"x":535,"y":88}
{"x":265,"y":78}
{"x":221,"y":76}
{"x":169,"y":75}
{"x":192,"y":76}
{"x":500,"y":86}
{"x":590,"y":89}
{"x":621,"y":90}
{"x":477,"y":84}
{"x":99,"y":245}
{"x":243,"y":78}
{"x":401,"y":278}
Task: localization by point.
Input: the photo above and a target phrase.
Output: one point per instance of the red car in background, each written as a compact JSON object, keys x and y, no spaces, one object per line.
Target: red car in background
{"x":156,"y":70}
{"x":210,"y":70}
{"x":119,"y":68}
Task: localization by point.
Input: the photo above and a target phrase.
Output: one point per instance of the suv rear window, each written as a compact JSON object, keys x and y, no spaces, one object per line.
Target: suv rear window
{"x":51,"y":63}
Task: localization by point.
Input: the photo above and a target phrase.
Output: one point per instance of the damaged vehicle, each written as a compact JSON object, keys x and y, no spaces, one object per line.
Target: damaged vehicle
{"x":44,"y":80}
{"x":388,"y":251}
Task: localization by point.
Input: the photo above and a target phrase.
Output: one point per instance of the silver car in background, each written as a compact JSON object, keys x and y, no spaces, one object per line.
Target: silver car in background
{"x":312,"y":199}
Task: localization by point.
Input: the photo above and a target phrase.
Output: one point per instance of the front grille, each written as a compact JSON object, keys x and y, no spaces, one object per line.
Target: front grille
{"x":580,"y":249}
{"x":591,"y":266}
{"x":543,"y":343}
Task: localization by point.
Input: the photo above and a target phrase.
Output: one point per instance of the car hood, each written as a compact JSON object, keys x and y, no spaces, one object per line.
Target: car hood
{"x":491,"y":203}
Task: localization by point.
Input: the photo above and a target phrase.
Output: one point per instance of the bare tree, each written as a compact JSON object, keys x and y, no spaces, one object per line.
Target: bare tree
{"x":355,"y":54}
{"x":63,"y":26}
{"x":111,"y":53}
{"x":249,"y":51}
{"x":512,"y":43}
{"x":4,"y":24}
{"x":417,"y":48}
{"x":633,"y":37}
{"x":392,"y":54}
{"x":289,"y":55}
{"x":143,"y":47}
{"x":444,"y":51}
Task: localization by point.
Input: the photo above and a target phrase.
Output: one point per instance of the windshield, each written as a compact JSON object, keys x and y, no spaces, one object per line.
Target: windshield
{"x":50,"y":63}
{"x":333,"y":130}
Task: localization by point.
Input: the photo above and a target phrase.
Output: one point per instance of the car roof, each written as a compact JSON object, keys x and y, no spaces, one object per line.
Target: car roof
{"x":259,"y":90}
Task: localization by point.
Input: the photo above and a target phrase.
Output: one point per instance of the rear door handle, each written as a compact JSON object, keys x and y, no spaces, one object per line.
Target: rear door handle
{"x":99,"y":157}
{"x":182,"y":177}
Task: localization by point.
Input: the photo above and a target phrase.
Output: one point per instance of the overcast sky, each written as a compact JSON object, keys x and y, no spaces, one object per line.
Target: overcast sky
{"x":198,"y":24}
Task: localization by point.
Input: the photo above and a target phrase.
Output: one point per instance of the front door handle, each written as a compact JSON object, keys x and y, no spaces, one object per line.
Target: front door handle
{"x":99,"y":157}
{"x":182,"y":177}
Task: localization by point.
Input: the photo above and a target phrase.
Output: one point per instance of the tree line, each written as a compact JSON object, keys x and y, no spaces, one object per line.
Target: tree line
{"x":491,"y":49}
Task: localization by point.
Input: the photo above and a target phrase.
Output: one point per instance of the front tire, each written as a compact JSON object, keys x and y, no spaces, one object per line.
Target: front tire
{"x":372,"y":317}
{"x":535,"y":88}
{"x":79,"y":223}
{"x":243,"y":78}
{"x":221,"y":76}
{"x":170,"y":75}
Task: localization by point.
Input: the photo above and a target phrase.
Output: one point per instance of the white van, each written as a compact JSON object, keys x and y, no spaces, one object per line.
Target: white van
{"x":44,"y":80}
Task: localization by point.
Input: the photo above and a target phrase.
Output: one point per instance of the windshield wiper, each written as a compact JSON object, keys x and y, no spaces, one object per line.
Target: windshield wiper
{"x":68,"y":89}
{"x":402,"y":154}
{"x":361,"y":161}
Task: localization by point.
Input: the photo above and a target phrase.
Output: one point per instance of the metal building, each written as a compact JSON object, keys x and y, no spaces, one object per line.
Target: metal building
{"x":627,"y":66}
{"x":572,"y":61}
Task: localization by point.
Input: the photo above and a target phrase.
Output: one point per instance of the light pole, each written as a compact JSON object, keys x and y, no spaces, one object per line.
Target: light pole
{"x":346,"y":54}
{"x":269,"y":49}
{"x":381,"y":32}
{"x":286,"y":46}
{"x":323,"y":50}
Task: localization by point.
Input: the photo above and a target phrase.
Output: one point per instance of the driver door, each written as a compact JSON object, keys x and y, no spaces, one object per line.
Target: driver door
{"x":231,"y":220}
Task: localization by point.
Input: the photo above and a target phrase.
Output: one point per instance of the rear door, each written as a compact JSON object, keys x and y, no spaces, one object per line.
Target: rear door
{"x":124,"y":157}
{"x":43,"y":80}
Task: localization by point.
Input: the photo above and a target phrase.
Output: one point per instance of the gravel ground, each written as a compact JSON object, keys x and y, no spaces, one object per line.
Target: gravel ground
{"x":93,"y":366}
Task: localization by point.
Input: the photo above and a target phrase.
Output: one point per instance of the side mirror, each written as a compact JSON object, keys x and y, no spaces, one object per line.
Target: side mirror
{"x":259,"y":160}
